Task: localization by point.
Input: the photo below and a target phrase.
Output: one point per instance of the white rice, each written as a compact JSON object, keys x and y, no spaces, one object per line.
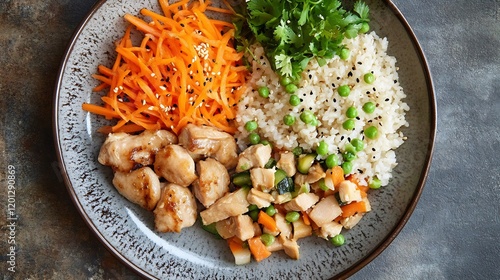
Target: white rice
{"x":318,"y":91}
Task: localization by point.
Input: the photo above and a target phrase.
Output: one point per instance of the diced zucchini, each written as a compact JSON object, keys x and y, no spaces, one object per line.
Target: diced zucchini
{"x":242,"y":179}
{"x":305,"y":162}
{"x":285,"y":185}
{"x":279,"y":175}
{"x":212,"y":229}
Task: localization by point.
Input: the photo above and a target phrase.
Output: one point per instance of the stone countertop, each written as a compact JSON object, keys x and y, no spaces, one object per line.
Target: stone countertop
{"x":454,"y":232}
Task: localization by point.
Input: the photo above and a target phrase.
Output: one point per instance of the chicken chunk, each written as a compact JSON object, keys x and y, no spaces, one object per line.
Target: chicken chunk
{"x":330,"y":230}
{"x":212,"y":183}
{"x":291,"y":247}
{"x":325,"y":211}
{"x":300,"y":229}
{"x":175,"y":210}
{"x":175,"y":165}
{"x":259,"y":198}
{"x":225,"y":228}
{"x":254,"y":156}
{"x":287,"y":163}
{"x":205,"y":141}
{"x":140,"y":186}
{"x":350,"y":222}
{"x":349,"y":192}
{"x":284,"y":227}
{"x":302,"y":202}
{"x":123,"y":151}
{"x":243,"y":227}
{"x":262,"y":178}
{"x":232,"y":204}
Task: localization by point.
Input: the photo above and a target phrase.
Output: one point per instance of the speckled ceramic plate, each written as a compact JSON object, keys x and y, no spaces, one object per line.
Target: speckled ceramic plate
{"x":127,"y":230}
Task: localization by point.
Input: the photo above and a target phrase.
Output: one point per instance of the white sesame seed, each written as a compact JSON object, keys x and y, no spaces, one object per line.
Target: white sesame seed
{"x":163,"y":88}
{"x":143,"y":102}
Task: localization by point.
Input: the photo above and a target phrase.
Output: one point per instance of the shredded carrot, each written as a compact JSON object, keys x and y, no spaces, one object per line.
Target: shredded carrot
{"x":184,"y":70}
{"x":258,"y":249}
{"x":267,"y":221}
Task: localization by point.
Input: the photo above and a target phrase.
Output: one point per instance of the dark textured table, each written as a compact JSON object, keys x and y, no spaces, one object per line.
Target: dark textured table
{"x":454,"y":232}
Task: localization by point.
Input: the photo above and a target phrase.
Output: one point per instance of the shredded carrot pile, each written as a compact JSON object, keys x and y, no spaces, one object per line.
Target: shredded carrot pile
{"x":185,"y":70}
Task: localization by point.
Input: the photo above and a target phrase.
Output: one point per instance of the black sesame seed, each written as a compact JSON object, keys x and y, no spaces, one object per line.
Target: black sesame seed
{"x":348,"y":139}
{"x":368,"y":92}
{"x":349,"y":74}
{"x":342,"y":138}
{"x":311,"y":93}
{"x":357,"y":80}
{"x":360,"y":171}
{"x":360,"y":63}
{"x":373,"y":149}
{"x":310,"y":108}
{"x":310,"y":76}
{"x":374,"y":89}
{"x":358,"y":118}
{"x":301,"y":100}
{"x":333,"y":85}
{"x":387,"y":99}
{"x":335,"y":100}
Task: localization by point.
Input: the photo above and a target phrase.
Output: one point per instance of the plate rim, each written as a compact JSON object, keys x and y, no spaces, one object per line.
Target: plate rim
{"x":383,"y":244}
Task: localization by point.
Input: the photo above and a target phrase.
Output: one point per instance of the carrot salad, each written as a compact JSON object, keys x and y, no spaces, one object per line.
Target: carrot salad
{"x":185,"y":70}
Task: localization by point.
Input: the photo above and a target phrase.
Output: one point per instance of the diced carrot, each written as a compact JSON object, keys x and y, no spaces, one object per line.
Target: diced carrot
{"x":305,"y":218}
{"x":235,"y":244}
{"x":241,"y":253}
{"x":258,"y":249}
{"x":353,"y":208}
{"x":363,"y":189}
{"x":337,"y":175}
{"x":184,"y":70}
{"x":267,"y":221}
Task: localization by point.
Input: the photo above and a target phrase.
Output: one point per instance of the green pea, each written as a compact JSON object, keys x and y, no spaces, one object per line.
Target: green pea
{"x":369,"y":107}
{"x":291,"y":88}
{"x":252,"y":207}
{"x":348,"y":147}
{"x":358,"y":144}
{"x":251,"y":126}
{"x":288,"y":120}
{"x":369,"y":78}
{"x":338,"y":240}
{"x":375,"y":183}
{"x":297,"y":151}
{"x":348,"y":124}
{"x":314,"y":122}
{"x":265,"y":142}
{"x":371,"y":132}
{"x":264,"y":91}
{"x":254,"y":214}
{"x":349,"y":156}
{"x":270,"y":210}
{"x":347,"y":167}
{"x":344,"y":54}
{"x":350,"y":33}
{"x":267,"y":239}
{"x":365,"y":27}
{"x":322,"y":148}
{"x":307,"y":117}
{"x":331,"y":161}
{"x":294,"y":100}
{"x":254,"y":138}
{"x":351,"y":112}
{"x":344,"y":90}
{"x":285,"y":81}
{"x":292,"y":216}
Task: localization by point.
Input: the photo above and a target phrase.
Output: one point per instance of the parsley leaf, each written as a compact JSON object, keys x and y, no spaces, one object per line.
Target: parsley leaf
{"x":293,"y":32}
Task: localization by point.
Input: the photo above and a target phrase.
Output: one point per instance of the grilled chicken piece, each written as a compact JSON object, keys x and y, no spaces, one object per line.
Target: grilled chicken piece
{"x":287,"y":163}
{"x":175,"y":165}
{"x":175,"y":210}
{"x":205,"y":141}
{"x":300,"y":229}
{"x":284,"y":227}
{"x":123,"y":151}
{"x":260,"y":199}
{"x":349,"y":192}
{"x":232,"y":204}
{"x":254,"y":156}
{"x":140,"y":186}
{"x":291,"y":247}
{"x":325,"y":211}
{"x":315,"y":173}
{"x":243,"y":227}
{"x":350,"y":222}
{"x":225,"y":228}
{"x":212,"y":183}
{"x":302,"y":202}
{"x":262,"y":178}
{"x":330,"y":230}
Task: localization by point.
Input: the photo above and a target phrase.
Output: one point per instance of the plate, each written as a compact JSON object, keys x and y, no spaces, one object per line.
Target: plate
{"x":127,"y":230}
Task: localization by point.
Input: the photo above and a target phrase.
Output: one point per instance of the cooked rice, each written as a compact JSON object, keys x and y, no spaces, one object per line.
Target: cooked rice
{"x":318,"y":93}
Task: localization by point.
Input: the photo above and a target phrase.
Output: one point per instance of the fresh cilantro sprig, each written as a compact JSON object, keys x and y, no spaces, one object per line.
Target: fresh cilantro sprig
{"x":293,"y":32}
